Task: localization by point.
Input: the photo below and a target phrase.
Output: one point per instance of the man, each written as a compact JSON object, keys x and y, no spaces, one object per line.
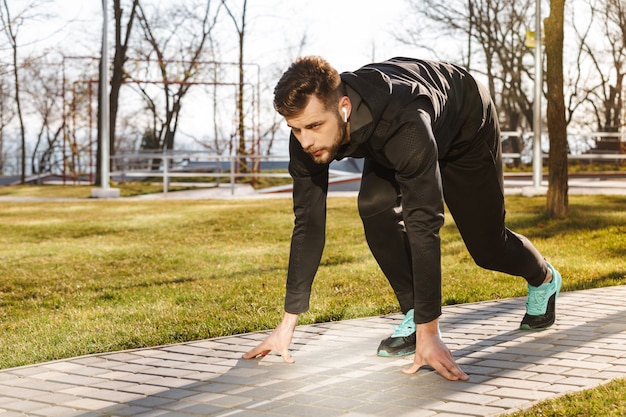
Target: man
{"x":428,"y":133}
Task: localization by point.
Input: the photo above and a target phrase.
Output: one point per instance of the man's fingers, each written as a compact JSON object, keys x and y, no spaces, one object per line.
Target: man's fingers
{"x":413,"y":369}
{"x":261,"y":349}
{"x":254,"y":353}
{"x":287,"y":357}
{"x":450,"y":371}
{"x":249,"y":355}
{"x":446,"y":372}
{"x":459,"y":374}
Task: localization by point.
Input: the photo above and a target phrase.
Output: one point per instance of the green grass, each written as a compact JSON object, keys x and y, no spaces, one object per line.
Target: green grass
{"x":127,"y":189}
{"x":607,"y":400}
{"x":87,"y":276}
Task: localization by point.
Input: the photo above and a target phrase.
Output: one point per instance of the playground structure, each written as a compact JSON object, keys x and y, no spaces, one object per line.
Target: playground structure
{"x":80,"y":139}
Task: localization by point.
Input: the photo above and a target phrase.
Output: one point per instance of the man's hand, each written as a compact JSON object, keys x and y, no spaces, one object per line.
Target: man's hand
{"x":430,"y":350}
{"x":279,"y":340}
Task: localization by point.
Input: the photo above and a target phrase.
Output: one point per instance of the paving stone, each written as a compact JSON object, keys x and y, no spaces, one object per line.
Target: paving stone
{"x":469,"y":409}
{"x":24,"y":406}
{"x":90,"y":404}
{"x":58,"y":411}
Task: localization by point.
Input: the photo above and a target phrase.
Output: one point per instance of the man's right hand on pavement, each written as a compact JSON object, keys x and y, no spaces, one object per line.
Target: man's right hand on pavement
{"x":430,"y":350}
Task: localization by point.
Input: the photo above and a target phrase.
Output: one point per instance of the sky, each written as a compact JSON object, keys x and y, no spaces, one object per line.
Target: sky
{"x":348,"y":33}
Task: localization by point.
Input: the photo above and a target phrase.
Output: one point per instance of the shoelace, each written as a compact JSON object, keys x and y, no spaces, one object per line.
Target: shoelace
{"x":406,"y":328}
{"x":537,"y":301}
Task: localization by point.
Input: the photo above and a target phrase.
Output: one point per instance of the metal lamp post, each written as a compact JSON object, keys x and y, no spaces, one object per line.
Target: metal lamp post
{"x":537,"y":154}
{"x":105,"y":191}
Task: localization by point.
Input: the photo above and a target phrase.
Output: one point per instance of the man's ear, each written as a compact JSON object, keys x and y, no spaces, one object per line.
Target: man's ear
{"x":345,"y":107}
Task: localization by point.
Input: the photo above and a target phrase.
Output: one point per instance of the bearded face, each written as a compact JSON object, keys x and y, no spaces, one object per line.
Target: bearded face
{"x":320,"y":131}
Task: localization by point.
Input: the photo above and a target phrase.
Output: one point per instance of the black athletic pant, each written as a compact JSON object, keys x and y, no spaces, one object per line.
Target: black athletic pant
{"x":473,"y":192}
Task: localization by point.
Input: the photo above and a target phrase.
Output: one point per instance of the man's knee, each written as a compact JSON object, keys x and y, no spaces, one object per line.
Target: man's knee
{"x":373,"y":203}
{"x":497,"y":254}
{"x":486,"y":260}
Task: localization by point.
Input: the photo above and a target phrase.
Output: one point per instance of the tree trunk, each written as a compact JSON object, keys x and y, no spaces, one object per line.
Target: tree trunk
{"x":118,"y":76}
{"x":243,"y":164}
{"x":241,"y":31}
{"x":98,"y":177}
{"x":557,"y":205}
{"x":2,"y":124}
{"x":11,"y":33}
{"x":19,"y":114}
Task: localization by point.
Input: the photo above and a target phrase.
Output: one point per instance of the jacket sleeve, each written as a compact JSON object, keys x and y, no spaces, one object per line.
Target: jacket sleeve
{"x":412,"y":150}
{"x":310,"y":186}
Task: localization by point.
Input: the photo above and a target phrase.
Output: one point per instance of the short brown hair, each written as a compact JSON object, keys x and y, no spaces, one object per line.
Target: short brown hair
{"x":307,"y":76}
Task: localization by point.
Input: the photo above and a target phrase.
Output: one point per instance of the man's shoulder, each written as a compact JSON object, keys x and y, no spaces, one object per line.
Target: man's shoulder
{"x":404,"y":68}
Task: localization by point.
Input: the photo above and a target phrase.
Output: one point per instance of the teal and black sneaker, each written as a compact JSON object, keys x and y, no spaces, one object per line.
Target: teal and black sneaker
{"x":541,"y":303}
{"x":402,"y":341}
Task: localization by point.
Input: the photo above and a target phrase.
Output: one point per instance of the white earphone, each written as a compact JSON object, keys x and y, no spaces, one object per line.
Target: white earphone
{"x":345,"y":114}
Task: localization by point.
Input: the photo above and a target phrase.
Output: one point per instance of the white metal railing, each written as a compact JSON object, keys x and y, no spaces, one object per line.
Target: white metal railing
{"x":122,"y":163}
{"x":169,"y":164}
{"x":620,"y":136}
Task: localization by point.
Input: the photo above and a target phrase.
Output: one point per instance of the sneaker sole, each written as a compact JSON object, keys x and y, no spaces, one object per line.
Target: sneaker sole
{"x":386,"y":354}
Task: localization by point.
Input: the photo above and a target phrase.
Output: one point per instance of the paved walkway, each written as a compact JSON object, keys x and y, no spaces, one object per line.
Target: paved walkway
{"x":337,"y":372}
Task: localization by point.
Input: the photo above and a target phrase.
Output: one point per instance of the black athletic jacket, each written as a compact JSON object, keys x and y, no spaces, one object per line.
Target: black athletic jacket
{"x":408,"y":115}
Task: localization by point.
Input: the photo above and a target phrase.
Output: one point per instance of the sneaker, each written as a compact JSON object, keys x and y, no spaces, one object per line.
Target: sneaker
{"x":402,"y":341}
{"x":541,"y":303}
